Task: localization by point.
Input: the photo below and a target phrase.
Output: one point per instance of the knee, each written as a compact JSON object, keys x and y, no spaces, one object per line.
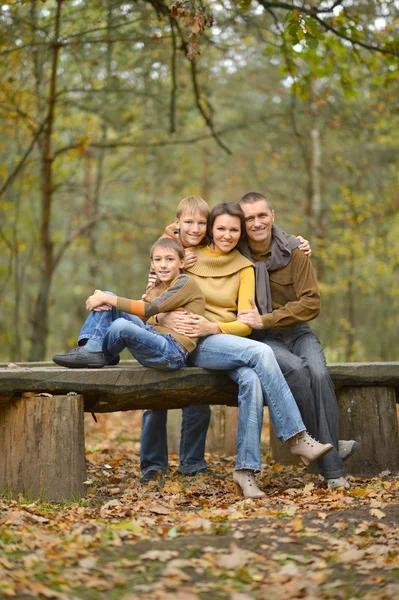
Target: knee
{"x":118,"y":326}
{"x":266,"y":355}
{"x":318,"y":372}
{"x":295,"y":369}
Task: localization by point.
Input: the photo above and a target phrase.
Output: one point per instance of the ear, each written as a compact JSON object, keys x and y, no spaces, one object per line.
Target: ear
{"x":182,"y":264}
{"x":177,"y":223}
{"x":273,"y":215}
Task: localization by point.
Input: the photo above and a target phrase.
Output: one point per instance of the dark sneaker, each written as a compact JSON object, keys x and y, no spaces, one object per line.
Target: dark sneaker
{"x":205,"y":471}
{"x":80,"y":358}
{"x":153,"y":475}
{"x":114,"y":361}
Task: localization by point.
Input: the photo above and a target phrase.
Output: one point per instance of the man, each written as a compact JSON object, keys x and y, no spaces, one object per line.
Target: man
{"x":287,"y":297}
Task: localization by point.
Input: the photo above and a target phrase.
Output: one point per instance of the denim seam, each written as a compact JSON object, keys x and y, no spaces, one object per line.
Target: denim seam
{"x":170,"y":358}
{"x":243,"y":451}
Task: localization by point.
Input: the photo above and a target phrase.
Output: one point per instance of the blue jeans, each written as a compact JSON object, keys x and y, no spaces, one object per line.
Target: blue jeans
{"x":254,"y":367}
{"x":154,"y":442}
{"x":118,"y":330}
{"x":154,"y":447}
{"x":150,"y":348}
{"x":301,"y":358}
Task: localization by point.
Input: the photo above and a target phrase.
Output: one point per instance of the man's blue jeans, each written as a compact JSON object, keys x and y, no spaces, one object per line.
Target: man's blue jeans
{"x":154,"y":447}
{"x":254,"y":368}
{"x":302,"y":361}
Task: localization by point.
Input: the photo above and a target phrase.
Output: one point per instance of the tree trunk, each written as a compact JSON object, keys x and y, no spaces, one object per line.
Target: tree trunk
{"x":40,"y":319}
{"x":42,"y":447}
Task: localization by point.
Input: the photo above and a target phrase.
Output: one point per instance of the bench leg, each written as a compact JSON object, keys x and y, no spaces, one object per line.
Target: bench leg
{"x":368,"y":415}
{"x":42,"y":448}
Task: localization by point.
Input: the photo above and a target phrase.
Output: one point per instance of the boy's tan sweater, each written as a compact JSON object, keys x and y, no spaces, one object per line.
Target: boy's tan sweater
{"x":183,"y":293}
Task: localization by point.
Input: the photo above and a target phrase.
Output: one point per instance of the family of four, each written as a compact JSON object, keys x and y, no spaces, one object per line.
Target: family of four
{"x":230,"y":291}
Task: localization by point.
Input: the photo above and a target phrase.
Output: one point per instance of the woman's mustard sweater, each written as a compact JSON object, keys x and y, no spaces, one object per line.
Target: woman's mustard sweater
{"x":227,"y":282}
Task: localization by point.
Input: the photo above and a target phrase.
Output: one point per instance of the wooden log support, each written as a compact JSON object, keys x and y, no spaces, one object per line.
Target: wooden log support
{"x":367,"y":415}
{"x":42,"y":447}
{"x":365,"y":392}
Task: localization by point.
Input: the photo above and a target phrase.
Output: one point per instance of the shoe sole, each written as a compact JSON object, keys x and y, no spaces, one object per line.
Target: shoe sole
{"x":74,"y":365}
{"x":306,"y":461}
{"x":353,"y":450}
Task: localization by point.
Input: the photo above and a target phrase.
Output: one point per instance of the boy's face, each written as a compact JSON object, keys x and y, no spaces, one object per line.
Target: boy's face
{"x":192,"y":228}
{"x":166,"y":263}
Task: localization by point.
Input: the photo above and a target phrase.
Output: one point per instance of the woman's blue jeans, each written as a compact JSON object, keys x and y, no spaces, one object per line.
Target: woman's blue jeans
{"x":252,"y":365}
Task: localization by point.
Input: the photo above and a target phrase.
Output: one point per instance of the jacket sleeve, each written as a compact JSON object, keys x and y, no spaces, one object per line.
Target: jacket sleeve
{"x":306,"y":306}
{"x":246,"y":291}
{"x":179,"y":293}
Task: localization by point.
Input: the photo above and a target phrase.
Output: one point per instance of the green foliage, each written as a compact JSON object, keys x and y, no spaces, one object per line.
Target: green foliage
{"x":264,"y":84}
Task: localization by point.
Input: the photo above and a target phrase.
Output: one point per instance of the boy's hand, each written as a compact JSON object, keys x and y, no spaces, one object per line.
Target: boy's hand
{"x":151,"y":281}
{"x":251,"y":317}
{"x":97,"y":301}
{"x":304,"y":246}
{"x":189,"y":259}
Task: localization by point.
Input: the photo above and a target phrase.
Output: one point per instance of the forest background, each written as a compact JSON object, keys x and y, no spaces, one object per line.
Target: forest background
{"x":112,"y":111}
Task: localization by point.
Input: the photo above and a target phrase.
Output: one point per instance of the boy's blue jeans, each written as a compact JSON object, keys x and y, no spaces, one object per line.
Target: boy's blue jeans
{"x":117,"y":330}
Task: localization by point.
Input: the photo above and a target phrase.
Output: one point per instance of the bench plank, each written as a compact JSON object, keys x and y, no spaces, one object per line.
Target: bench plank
{"x":132,"y":387}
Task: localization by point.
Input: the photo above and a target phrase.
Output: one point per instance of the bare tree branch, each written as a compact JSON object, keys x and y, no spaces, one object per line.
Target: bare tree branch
{"x":21,"y":163}
{"x":78,"y":232}
{"x":197,"y":95}
{"x":173,"y":91}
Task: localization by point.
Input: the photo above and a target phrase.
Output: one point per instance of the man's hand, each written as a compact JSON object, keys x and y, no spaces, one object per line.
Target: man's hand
{"x":251,"y":317}
{"x":193,"y":325}
{"x":304,"y":246}
{"x":189,"y":259}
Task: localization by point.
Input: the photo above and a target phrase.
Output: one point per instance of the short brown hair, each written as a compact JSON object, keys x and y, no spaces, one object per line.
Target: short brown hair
{"x":225,"y":208}
{"x":252,"y":197}
{"x":192,"y":204}
{"x":167,"y":243}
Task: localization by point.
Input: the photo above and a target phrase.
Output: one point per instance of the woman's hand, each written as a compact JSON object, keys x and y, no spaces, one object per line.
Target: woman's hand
{"x":98,"y":301}
{"x":193,"y":325}
{"x":251,"y":317}
{"x":171,"y":319}
{"x":304,"y":245}
{"x":189,"y":259}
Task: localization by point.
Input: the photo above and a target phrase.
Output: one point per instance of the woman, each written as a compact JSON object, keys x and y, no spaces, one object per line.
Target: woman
{"x":228,"y":283}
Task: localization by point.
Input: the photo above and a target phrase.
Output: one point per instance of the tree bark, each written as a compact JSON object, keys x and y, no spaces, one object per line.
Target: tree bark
{"x":40,"y":317}
{"x":42,"y":448}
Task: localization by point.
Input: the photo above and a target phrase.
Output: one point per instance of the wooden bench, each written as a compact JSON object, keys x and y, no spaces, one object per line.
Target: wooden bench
{"x":42,"y":406}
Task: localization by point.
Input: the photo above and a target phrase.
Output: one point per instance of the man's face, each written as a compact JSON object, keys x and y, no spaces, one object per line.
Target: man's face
{"x":192,"y":228}
{"x":258,"y":220}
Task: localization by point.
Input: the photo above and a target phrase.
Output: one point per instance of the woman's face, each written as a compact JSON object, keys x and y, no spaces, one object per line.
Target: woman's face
{"x":226,"y":232}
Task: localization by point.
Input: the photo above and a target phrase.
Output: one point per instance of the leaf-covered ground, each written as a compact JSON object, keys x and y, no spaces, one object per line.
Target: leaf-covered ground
{"x":195,"y":539}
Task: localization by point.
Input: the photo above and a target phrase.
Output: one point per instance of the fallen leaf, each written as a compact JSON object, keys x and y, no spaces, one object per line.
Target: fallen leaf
{"x":158,"y":509}
{"x":376,"y":512}
{"x":297,"y":524}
